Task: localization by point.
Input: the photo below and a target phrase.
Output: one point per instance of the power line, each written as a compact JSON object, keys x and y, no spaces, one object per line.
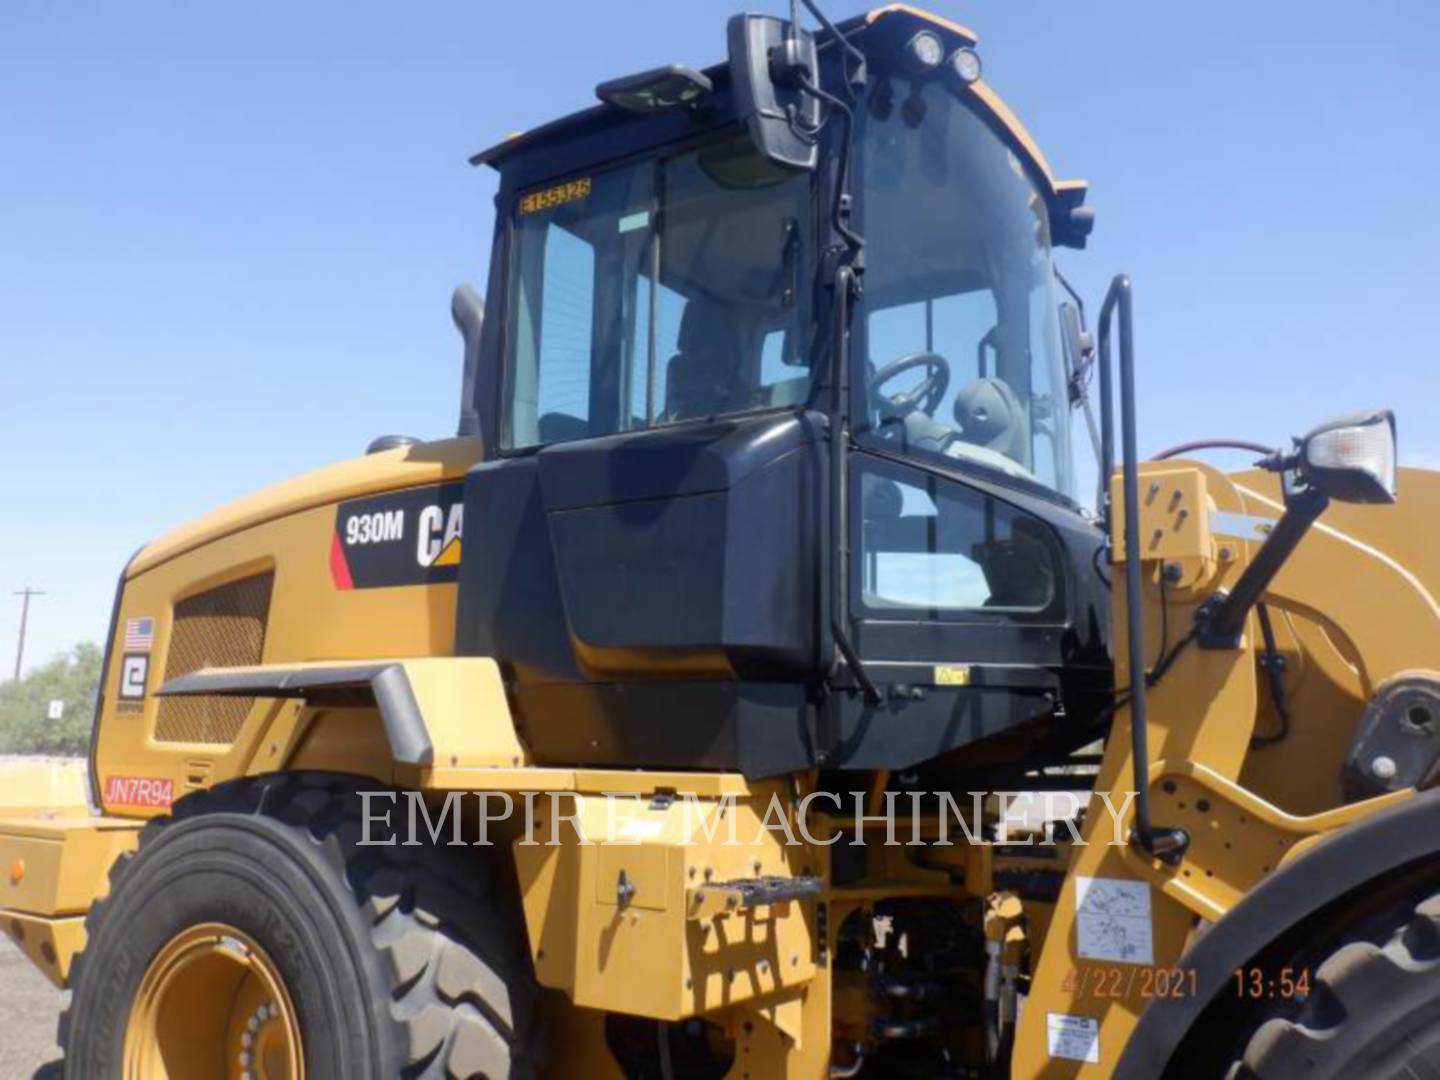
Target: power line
{"x":25,"y":594}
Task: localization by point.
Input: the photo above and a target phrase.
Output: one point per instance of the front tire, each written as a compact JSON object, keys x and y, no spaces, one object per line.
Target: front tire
{"x":380,"y":961}
{"x":1374,"y":1010}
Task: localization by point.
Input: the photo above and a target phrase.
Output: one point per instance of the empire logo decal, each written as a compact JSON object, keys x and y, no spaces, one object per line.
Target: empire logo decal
{"x":407,"y":537}
{"x":134,"y":673}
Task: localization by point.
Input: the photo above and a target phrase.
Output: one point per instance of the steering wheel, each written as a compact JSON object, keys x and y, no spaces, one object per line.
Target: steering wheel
{"x":925,"y":397}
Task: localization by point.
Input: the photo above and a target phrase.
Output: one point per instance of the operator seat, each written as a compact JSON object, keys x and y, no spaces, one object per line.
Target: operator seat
{"x":992,"y":427}
{"x":989,"y":415}
{"x":705,"y":378}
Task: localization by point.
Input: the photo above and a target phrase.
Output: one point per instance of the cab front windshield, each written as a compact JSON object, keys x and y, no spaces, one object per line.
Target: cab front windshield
{"x":962,"y":348}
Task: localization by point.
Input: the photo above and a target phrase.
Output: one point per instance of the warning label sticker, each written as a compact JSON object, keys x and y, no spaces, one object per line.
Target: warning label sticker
{"x":1075,"y":1038}
{"x":1112,"y":920}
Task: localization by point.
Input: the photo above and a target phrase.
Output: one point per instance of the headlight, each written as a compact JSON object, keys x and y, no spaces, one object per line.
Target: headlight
{"x":1352,"y":459}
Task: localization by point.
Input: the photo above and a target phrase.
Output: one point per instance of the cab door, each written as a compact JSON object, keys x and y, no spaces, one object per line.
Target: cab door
{"x":968,"y":609}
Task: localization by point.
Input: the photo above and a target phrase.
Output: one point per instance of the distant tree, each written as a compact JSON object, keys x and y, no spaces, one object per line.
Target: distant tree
{"x":25,"y":725}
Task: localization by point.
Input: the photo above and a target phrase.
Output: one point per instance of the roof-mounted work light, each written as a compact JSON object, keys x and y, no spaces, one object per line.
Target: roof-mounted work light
{"x":656,"y":89}
{"x":965,"y":63}
{"x":924,"y":52}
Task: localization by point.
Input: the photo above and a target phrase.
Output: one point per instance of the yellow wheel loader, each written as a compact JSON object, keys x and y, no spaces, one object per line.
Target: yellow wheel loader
{"x":744,"y":692}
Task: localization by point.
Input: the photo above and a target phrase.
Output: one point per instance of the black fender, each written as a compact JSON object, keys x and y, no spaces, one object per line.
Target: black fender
{"x":1369,"y":849}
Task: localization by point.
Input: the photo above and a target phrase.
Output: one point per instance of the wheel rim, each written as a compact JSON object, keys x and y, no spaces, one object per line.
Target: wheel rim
{"x":212,"y":1006}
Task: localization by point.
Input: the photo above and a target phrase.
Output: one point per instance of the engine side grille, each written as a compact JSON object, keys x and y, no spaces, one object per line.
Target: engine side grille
{"x":224,"y":627}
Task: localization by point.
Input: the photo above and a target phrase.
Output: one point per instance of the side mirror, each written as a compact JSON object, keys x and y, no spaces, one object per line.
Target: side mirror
{"x":1351,"y":459}
{"x":1078,"y":345}
{"x":768,"y":64}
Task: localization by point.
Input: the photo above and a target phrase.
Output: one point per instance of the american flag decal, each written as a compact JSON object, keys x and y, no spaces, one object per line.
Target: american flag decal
{"x":139,"y":634}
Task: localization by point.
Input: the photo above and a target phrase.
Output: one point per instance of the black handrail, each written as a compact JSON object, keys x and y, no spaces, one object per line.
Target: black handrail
{"x":1167,"y":844}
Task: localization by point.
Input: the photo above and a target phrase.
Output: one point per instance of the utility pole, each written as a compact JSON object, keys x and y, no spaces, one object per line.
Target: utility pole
{"x":25,"y":594}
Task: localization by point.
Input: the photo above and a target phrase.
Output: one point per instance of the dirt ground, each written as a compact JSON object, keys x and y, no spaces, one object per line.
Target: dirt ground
{"x":30,"y":1008}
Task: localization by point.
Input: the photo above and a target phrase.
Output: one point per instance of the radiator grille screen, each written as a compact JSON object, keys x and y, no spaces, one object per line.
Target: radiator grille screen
{"x":224,"y":627}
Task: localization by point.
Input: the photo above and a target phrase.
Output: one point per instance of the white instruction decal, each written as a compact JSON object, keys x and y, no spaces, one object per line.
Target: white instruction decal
{"x":1076,"y":1038}
{"x":1112,"y":920}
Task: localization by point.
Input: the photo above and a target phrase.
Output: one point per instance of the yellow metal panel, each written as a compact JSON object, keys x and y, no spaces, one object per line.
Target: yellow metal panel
{"x":42,"y":785}
{"x":50,"y":944}
{"x":1203,"y":711}
{"x":1236,"y":838}
{"x":1384,"y":609}
{"x":1403,"y":530}
{"x":1345,"y":600}
{"x":409,"y":466}
{"x":992,"y":101}
{"x":595,"y":781}
{"x":445,"y":778}
{"x":1322,"y":686}
{"x":310,"y":620}
{"x":1174,"y":516}
{"x":1337,"y":635}
{"x":466,"y":712}
{"x":647,"y":958}
{"x":652,"y":870}
{"x":876,"y":14}
{"x":51,"y":865}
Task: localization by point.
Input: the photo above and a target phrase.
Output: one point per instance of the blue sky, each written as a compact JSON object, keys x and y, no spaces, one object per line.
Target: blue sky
{"x":228,"y":232}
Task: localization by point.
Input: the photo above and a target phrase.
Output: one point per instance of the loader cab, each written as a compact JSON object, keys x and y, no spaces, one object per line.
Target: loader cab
{"x":654,"y":548}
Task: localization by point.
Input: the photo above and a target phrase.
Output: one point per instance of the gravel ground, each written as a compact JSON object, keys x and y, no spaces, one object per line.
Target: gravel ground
{"x":29,"y":1010}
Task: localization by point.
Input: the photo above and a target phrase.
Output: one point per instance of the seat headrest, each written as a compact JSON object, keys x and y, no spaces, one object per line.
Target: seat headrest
{"x":990,"y":415}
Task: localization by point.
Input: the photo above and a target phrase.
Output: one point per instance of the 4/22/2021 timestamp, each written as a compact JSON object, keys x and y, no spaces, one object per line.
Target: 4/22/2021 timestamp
{"x":1125,"y":981}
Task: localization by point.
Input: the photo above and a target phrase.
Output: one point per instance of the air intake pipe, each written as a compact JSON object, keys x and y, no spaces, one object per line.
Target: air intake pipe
{"x":468,"y":311}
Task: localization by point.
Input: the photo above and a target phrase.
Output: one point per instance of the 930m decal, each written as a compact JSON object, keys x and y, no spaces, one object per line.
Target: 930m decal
{"x":409,"y":537}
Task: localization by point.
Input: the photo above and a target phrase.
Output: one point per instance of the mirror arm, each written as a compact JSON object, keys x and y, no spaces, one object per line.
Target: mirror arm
{"x":854,"y":78}
{"x":839,"y":209}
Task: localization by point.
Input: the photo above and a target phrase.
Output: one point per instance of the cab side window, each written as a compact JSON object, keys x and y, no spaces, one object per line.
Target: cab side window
{"x":558,"y":364}
{"x":933,"y":548}
{"x":641,"y":296}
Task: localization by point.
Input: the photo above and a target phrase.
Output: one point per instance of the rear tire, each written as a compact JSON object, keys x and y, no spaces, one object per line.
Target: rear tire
{"x":1373,"y":1011}
{"x":398,"y":961}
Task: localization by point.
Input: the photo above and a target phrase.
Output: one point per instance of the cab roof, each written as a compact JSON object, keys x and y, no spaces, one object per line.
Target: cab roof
{"x":1062,"y":194}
